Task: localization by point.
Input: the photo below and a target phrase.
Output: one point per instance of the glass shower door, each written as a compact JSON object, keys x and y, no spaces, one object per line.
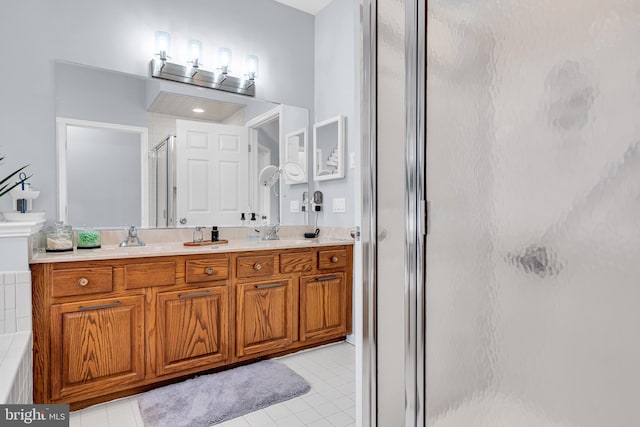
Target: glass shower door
{"x":533,"y":178}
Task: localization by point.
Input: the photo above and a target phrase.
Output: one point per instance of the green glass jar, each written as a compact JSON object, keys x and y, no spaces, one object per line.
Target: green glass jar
{"x":88,"y":238}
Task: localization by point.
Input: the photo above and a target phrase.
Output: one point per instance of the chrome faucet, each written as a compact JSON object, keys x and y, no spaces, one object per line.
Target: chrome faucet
{"x":272,"y":233}
{"x":132,"y":239}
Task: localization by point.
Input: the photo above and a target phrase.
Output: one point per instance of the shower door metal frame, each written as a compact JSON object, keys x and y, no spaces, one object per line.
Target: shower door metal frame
{"x":416,"y":211}
{"x":369,"y":236}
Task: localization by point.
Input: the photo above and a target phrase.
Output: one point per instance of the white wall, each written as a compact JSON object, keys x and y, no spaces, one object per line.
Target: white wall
{"x":337,"y":91}
{"x":119,"y":35}
{"x":91,"y":94}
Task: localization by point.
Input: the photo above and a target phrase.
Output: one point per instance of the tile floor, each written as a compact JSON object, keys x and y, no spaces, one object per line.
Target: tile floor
{"x":331,"y":402}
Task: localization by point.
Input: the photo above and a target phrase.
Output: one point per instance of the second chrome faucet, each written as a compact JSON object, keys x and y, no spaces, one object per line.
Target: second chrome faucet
{"x":132,"y":238}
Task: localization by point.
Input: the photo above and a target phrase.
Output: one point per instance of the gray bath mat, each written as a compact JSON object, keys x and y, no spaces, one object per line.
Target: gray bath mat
{"x":214,"y":398}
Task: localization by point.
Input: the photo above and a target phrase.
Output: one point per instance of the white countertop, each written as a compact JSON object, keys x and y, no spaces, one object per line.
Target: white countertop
{"x":178,"y":248}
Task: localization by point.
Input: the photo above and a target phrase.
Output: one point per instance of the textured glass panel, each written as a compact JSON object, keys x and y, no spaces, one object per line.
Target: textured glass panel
{"x":533,"y":263}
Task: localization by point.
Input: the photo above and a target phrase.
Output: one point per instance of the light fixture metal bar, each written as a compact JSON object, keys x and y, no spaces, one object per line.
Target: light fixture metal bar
{"x":184,"y":74}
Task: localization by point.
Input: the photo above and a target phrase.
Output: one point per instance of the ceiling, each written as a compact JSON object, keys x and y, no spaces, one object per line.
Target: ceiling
{"x":309,"y":6}
{"x":182,"y":106}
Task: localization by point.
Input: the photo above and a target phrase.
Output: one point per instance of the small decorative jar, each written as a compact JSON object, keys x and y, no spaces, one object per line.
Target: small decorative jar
{"x":59,"y":238}
{"x":88,"y":238}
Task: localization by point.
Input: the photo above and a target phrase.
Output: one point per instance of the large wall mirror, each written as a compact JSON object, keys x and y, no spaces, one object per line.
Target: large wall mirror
{"x":208,"y":177}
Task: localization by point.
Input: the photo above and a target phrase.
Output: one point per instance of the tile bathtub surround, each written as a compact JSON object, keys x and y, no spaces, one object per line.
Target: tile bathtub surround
{"x":15,"y":302}
{"x":15,"y":368}
{"x":331,"y":402}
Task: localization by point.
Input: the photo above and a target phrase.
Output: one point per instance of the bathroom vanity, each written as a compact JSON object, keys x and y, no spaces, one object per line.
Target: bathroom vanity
{"x":116,"y":321}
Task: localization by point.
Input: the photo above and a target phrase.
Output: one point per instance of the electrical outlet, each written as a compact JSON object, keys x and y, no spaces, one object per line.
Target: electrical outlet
{"x":294,"y":206}
{"x":339,"y":205}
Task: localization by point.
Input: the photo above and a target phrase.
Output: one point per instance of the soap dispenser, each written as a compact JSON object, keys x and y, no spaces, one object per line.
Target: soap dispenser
{"x":254,"y":233}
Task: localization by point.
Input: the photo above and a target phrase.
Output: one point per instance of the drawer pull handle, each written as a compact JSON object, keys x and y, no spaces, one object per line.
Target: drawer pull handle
{"x":324,"y":279}
{"x":273,"y":285}
{"x":257,"y":266}
{"x":334,"y":259}
{"x":83,"y":281}
{"x":197,"y":294}
{"x":96,"y":307}
{"x":208,"y":271}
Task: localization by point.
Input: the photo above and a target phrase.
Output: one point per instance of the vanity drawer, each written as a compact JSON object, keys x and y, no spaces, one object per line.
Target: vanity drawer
{"x":207,"y":270}
{"x":296,"y":262}
{"x":336,"y":258}
{"x":149,"y":274}
{"x":255,"y":266}
{"x":81,"y":281}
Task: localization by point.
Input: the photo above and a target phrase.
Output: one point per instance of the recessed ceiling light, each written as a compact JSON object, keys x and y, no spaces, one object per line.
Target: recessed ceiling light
{"x":198,"y":110}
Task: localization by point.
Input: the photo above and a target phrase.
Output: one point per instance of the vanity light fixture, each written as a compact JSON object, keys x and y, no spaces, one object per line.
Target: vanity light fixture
{"x":193,"y":73}
{"x":195,"y":53}
{"x":224,"y":60}
{"x":251,"y":67}
{"x":163,"y":44}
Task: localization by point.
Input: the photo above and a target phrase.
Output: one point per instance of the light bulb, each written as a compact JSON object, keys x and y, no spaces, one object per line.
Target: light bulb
{"x":224,"y":59}
{"x":251,"y":66}
{"x":195,"y":52}
{"x":163,"y":44}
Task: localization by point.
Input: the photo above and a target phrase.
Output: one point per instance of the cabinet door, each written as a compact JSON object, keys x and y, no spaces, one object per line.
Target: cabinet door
{"x":96,"y":345}
{"x":264,"y":316}
{"x":193,"y":329}
{"x":323,"y":306}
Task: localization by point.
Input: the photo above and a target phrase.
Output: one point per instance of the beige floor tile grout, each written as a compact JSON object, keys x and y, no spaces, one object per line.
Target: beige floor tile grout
{"x":332,"y":377}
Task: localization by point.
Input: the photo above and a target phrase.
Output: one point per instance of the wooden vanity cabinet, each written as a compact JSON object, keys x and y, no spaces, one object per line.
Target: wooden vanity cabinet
{"x":323,"y":306}
{"x":96,"y":345}
{"x":264,"y":316}
{"x":193,"y":323}
{"x":110,"y":328}
{"x":193,"y":329}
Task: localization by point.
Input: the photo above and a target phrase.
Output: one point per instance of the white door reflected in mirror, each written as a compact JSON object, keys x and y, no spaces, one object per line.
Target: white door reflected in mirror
{"x":212,"y":170}
{"x":328,"y":149}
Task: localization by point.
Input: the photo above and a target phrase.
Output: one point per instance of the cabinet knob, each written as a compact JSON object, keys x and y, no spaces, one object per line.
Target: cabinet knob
{"x":257,"y":266}
{"x":209,"y":271}
{"x":83,"y":281}
{"x":334,"y":259}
